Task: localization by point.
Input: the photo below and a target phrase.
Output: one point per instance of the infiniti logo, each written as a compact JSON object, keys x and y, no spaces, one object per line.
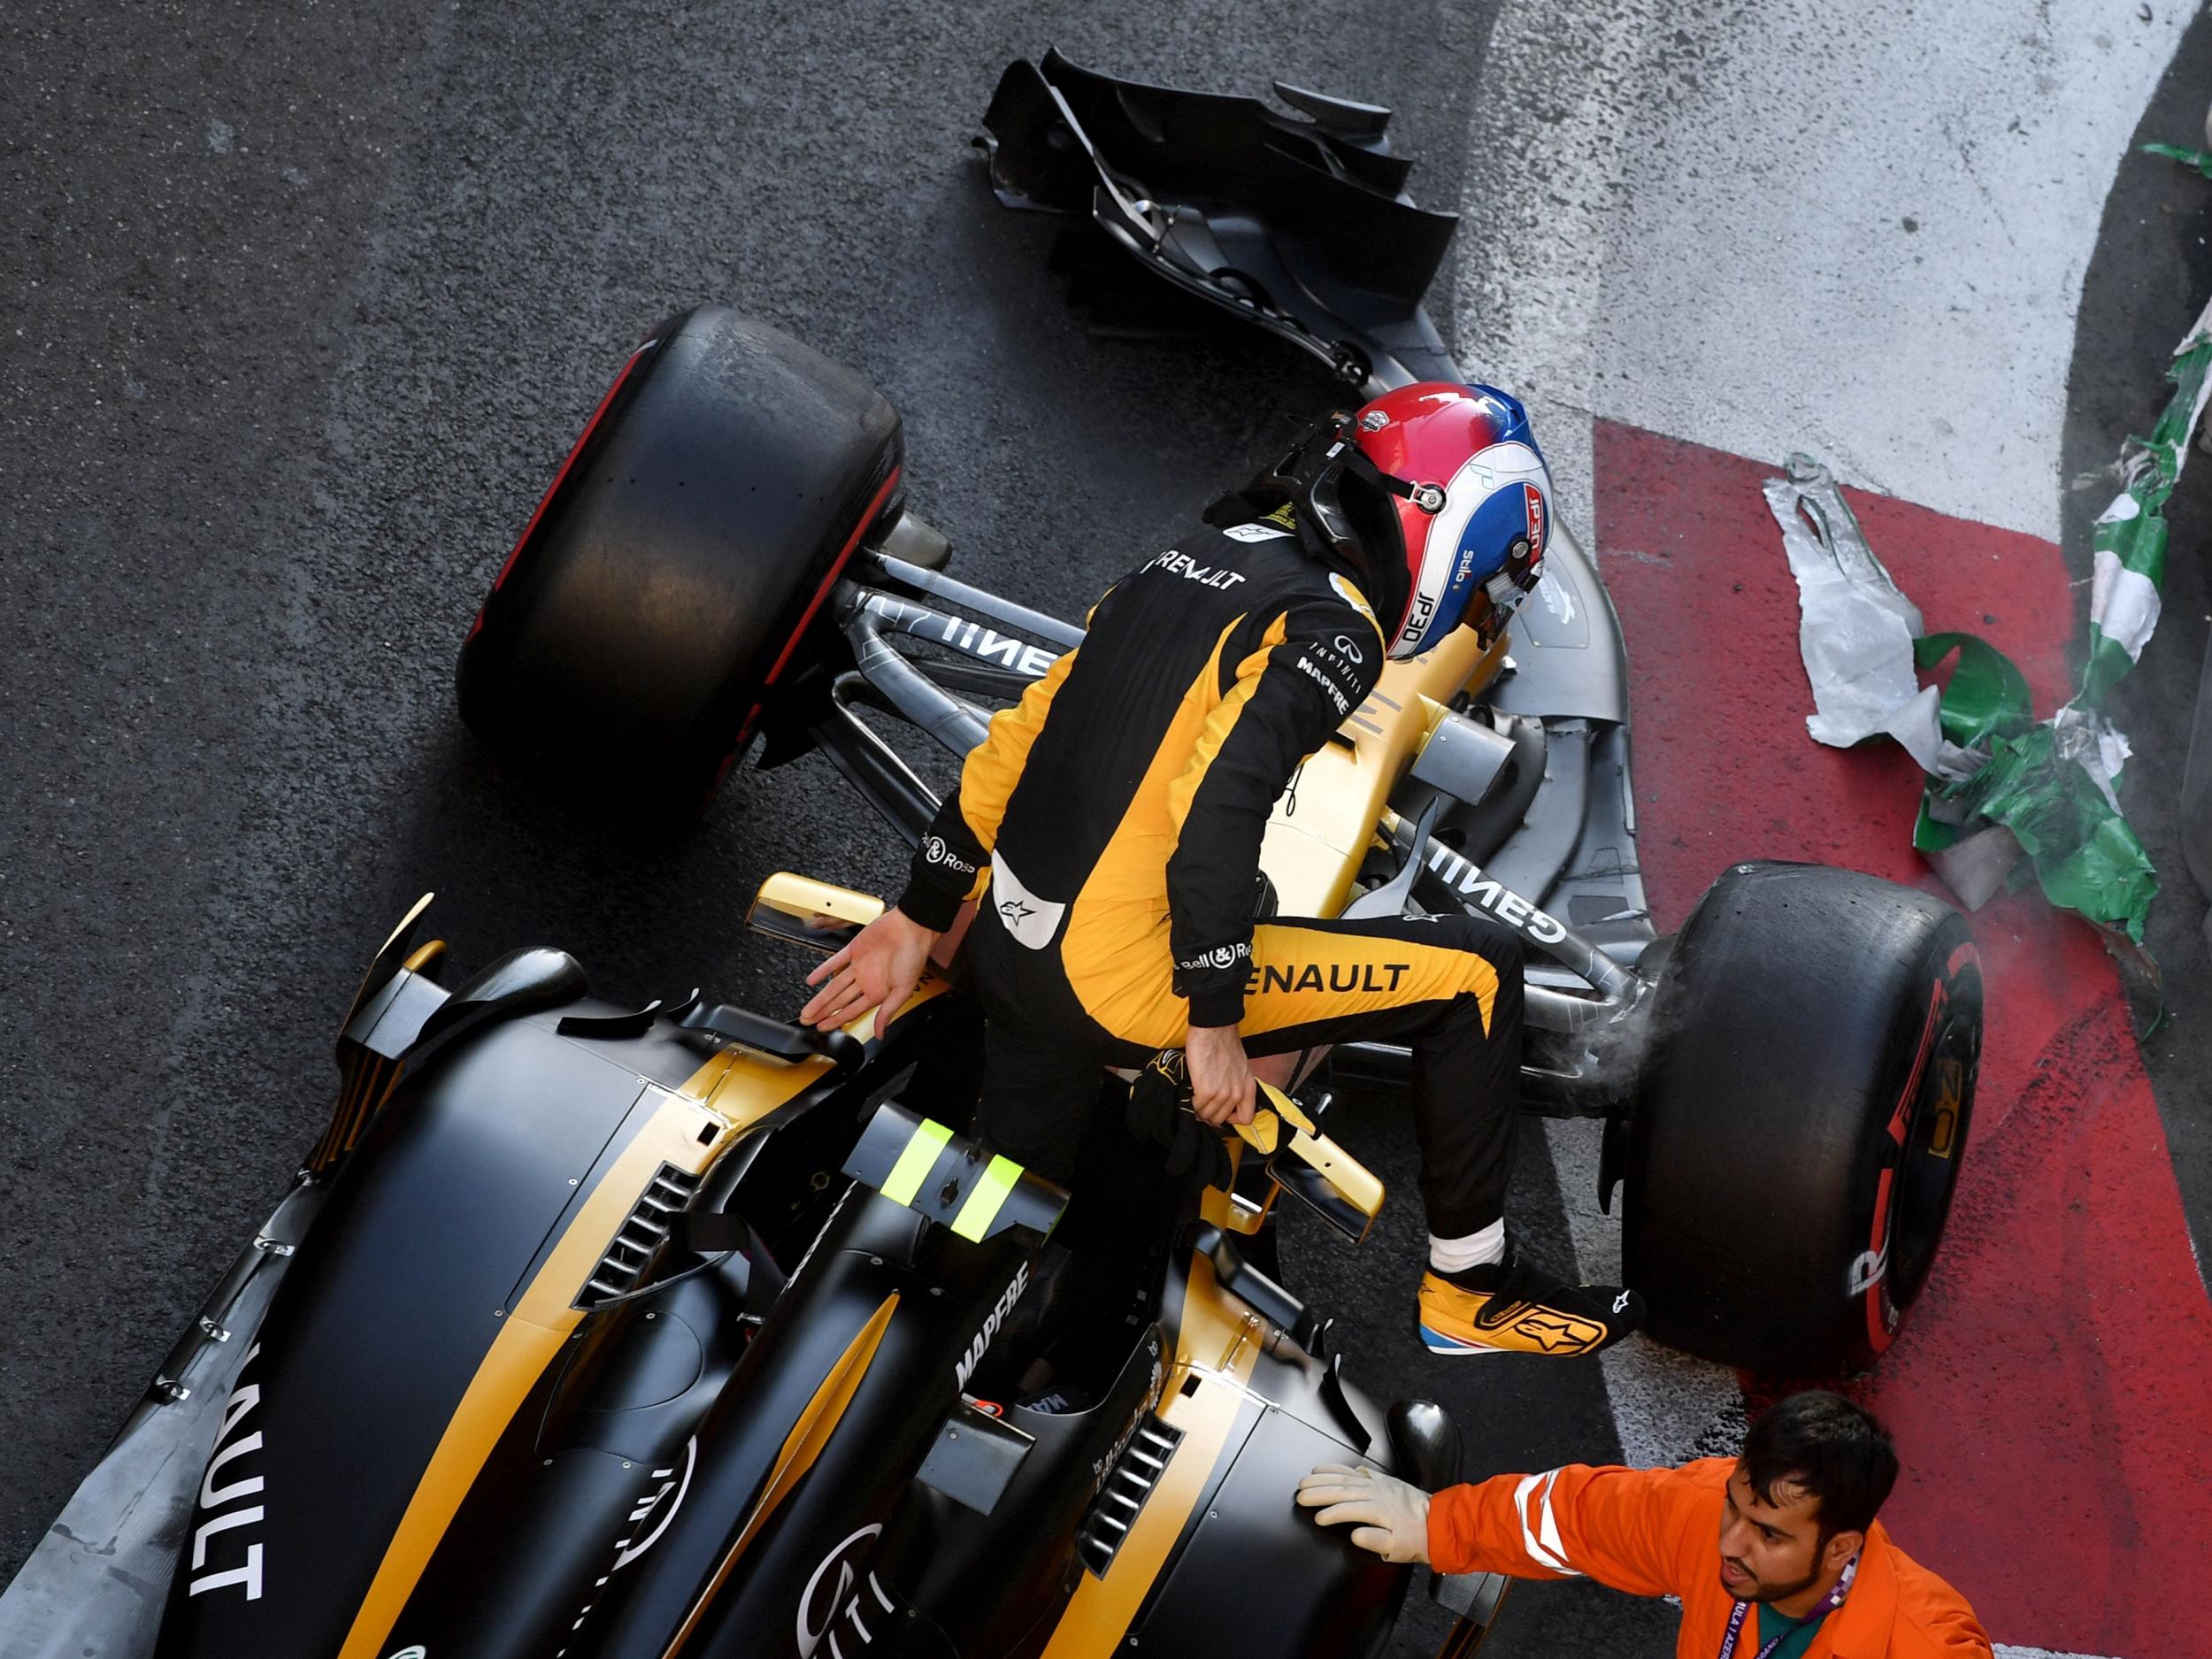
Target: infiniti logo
{"x":417,"y":1652}
{"x":812,"y":1606}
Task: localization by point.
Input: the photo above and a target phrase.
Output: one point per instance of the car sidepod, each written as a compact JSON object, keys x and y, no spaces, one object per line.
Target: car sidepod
{"x":457,"y":1416}
{"x":1217,"y":1557}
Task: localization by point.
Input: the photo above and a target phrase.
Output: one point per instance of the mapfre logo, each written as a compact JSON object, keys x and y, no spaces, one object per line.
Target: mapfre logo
{"x":992,"y":1321}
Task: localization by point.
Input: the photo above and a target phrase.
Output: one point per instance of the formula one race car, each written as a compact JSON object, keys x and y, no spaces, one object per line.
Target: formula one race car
{"x":645,"y":1331}
{"x":600,"y":1330}
{"x":728,"y":557}
{"x":595,"y":1330}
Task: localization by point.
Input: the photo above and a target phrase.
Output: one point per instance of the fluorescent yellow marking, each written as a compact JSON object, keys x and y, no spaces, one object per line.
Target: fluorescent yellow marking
{"x":981,"y":1209}
{"x":905,"y":1179}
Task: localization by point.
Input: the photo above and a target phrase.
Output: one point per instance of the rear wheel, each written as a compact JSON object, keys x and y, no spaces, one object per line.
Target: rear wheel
{"x":1792,"y":1156}
{"x":672,"y":575}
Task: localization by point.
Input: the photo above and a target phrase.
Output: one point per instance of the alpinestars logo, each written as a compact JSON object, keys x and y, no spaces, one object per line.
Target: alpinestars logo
{"x":1008,"y":1297}
{"x":1556,"y":1332}
{"x":1255,"y":532}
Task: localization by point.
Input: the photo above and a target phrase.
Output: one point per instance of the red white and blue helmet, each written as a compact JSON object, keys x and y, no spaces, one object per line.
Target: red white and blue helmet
{"x":1435,"y":493}
{"x":1472,"y":505}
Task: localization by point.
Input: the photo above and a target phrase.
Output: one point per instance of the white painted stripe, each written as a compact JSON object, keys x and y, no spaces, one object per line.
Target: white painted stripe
{"x":2123,"y":602}
{"x":1691,"y":217}
{"x":2004,"y":1652}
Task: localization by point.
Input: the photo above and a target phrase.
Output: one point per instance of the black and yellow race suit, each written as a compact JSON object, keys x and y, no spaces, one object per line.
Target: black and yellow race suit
{"x":1110,"y":824}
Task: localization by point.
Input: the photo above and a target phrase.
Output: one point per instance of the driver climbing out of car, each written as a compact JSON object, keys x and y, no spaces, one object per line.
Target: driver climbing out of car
{"x":1111,"y":823}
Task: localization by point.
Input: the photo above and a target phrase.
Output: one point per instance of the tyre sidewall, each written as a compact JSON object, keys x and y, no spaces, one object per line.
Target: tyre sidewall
{"x":662,"y":590}
{"x":1793,"y":1016}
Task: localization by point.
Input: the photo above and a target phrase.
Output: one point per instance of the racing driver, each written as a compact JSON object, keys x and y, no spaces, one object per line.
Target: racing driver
{"x":1114,"y":816}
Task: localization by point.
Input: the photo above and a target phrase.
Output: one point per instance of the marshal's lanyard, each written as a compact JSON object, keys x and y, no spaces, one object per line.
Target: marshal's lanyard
{"x":1829,"y":1604}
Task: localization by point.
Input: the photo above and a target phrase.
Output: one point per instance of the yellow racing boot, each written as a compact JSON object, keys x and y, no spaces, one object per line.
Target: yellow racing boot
{"x":1513,"y":1307}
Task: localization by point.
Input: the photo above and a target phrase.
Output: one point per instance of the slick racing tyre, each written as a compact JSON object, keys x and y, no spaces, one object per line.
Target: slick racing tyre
{"x":673,"y":574}
{"x":1791,"y":1157}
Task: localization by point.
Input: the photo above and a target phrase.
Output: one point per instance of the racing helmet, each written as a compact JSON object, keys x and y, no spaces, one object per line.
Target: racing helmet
{"x":1473,"y":528}
{"x":1437,"y":494}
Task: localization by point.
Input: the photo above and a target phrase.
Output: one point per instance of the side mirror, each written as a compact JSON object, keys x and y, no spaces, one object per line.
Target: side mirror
{"x":1313,"y":1169}
{"x":801,"y":910}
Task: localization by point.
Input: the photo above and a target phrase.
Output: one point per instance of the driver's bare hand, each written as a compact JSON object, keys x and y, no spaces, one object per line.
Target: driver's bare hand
{"x":1221,"y":1086}
{"x":881,"y":968}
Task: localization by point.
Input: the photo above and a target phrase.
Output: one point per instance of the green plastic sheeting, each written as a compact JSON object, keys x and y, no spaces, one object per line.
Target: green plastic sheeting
{"x":1987,"y":697}
{"x":2053,"y":783}
{"x":2200,"y":159}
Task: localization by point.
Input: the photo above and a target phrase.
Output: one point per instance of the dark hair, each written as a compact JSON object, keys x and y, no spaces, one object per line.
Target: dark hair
{"x":1830,"y":1449}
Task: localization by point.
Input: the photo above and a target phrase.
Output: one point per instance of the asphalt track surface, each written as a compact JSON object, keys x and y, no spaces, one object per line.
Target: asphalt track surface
{"x":302,"y":310}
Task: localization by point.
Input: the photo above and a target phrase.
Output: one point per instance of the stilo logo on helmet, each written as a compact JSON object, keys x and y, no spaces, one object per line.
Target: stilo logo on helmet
{"x":1492,"y":527}
{"x":1417,"y":494}
{"x":1472,"y":504}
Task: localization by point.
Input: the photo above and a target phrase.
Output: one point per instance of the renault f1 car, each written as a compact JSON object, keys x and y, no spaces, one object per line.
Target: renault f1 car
{"x":646,"y":1331}
{"x":729,"y":562}
{"x":595,"y":1329}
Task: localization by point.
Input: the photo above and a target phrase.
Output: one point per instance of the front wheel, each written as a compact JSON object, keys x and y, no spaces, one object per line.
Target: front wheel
{"x":668,"y":580}
{"x":1793,"y":1155}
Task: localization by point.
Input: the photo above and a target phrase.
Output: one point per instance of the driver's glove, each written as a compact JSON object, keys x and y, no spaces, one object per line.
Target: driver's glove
{"x":1388,"y":1516}
{"x":1160,"y":1116}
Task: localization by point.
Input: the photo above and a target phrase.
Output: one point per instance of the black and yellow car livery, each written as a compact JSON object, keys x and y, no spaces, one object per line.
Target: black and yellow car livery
{"x":604,"y":1331}
{"x":675,"y":1331}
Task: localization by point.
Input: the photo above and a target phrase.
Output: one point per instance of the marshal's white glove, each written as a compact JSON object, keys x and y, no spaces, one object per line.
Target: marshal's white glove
{"x":1388,"y":1516}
